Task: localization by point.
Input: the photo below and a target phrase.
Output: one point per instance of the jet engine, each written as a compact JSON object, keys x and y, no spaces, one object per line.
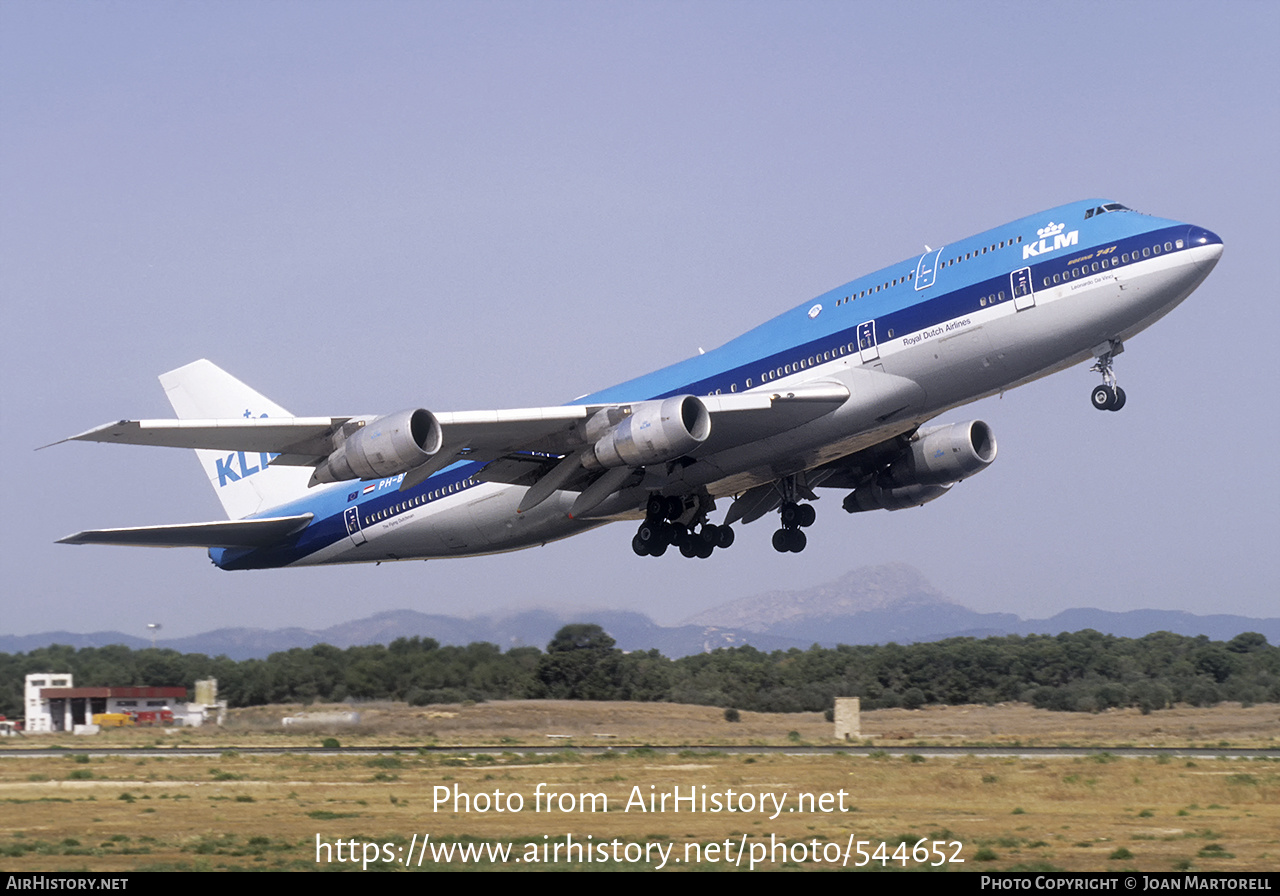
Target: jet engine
{"x":943,"y":454}
{"x":933,"y":461}
{"x":654,"y":432}
{"x":384,"y":446}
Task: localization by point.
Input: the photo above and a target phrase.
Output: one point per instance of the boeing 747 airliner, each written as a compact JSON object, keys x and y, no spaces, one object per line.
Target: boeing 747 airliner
{"x":835,"y":393}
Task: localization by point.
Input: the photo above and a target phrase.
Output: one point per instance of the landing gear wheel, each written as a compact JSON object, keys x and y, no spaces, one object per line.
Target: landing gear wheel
{"x":649,"y":533}
{"x":725,"y":534}
{"x":807,"y":516}
{"x":796,"y":541}
{"x":639,"y":547}
{"x":1119,"y":402}
{"x":780,"y":541}
{"x":705,"y":549}
{"x":689,"y":547}
{"x":1104,"y":397}
{"x":655,"y":508}
{"x":680,"y":536}
{"x":790,"y":515}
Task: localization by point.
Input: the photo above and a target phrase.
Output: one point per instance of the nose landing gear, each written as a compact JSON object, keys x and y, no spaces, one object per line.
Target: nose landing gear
{"x":1108,"y":396}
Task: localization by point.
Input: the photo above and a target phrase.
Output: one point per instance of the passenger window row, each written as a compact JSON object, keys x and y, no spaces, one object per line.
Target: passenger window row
{"x":1114,"y":261}
{"x":418,"y":500}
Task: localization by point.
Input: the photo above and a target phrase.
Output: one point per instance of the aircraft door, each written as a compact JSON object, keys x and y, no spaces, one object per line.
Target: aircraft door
{"x":352,"y":518}
{"x":1024,"y":296}
{"x":867,"y":341}
{"x":927,"y":270}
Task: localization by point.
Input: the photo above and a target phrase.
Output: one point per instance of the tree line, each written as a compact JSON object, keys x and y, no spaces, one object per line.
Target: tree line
{"x":1083,"y":671}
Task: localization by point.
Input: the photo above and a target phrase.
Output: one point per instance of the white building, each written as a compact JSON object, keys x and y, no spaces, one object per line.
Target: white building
{"x":52,"y":704}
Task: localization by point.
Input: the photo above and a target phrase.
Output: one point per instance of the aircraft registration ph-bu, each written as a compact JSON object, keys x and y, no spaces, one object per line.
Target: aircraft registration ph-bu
{"x":837,"y":393}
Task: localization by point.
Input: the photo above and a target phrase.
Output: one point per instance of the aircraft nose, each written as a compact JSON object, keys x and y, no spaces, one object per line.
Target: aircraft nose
{"x":1200,"y":237}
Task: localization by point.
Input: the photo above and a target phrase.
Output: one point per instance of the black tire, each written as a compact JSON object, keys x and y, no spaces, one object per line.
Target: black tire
{"x":808,"y":516}
{"x":675,"y":508}
{"x":689,"y":548}
{"x":796,"y":543}
{"x":648,"y":534}
{"x":725,"y":536}
{"x":780,"y":541}
{"x":639,"y":547}
{"x":1119,"y":399}
{"x":658,"y":549}
{"x":1102,"y":397}
{"x":655,"y":507}
{"x":790,"y":515}
{"x":706,"y":549}
{"x":709,"y":534}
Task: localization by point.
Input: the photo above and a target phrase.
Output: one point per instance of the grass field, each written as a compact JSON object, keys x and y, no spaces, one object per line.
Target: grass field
{"x":239,"y":811}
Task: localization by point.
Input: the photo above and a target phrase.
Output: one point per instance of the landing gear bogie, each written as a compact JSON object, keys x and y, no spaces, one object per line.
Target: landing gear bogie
{"x":789,"y":541}
{"x":682,"y":523}
{"x":794,"y":515}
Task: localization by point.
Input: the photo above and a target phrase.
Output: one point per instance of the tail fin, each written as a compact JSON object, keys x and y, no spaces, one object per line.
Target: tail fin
{"x":243,"y":482}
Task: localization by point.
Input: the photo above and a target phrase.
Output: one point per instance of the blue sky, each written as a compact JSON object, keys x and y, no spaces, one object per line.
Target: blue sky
{"x":360,"y":207}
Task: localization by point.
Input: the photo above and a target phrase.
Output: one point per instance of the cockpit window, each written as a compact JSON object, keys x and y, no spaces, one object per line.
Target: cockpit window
{"x":1103,"y":209}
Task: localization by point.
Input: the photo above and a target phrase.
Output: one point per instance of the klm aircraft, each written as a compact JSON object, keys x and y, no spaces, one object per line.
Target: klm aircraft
{"x":836,"y":393}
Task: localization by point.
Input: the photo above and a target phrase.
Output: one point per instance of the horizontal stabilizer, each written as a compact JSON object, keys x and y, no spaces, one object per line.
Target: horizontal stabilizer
{"x":222,"y":534}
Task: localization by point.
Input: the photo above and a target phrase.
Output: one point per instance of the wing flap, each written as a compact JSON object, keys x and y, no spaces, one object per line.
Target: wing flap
{"x":750,"y":416}
{"x":489,"y":434}
{"x":221,"y":534}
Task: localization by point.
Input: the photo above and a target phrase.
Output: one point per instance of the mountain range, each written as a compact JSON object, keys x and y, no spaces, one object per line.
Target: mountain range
{"x":870,"y":605}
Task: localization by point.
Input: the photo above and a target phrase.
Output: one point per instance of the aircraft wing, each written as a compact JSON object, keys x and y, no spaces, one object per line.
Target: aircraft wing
{"x":221,"y":534}
{"x":309,"y":436}
{"x":556,"y":436}
{"x":748,"y":416}
{"x":466,"y":435}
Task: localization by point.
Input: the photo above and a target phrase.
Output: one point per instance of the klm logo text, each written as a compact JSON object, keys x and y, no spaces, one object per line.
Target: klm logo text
{"x":235,"y":467}
{"x":1051,"y":239}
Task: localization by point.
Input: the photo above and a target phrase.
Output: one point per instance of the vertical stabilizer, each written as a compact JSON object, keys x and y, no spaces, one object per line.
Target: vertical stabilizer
{"x":243,"y":481}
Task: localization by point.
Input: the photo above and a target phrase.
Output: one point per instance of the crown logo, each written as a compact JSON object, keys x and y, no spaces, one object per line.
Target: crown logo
{"x":1050,"y":230}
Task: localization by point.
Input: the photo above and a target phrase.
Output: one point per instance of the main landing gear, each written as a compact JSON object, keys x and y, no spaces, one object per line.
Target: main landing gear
{"x":1108,"y":396}
{"x":795,"y":516}
{"x":668,"y":521}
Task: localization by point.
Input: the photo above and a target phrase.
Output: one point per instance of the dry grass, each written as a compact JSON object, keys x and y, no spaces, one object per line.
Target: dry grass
{"x":244,"y":811}
{"x":538,"y":722}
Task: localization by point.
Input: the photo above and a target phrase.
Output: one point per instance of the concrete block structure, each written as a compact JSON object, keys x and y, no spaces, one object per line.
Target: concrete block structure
{"x":848,"y":718}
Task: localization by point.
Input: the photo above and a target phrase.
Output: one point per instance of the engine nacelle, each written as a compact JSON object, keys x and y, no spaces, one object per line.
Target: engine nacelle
{"x":873,"y":497}
{"x":934,"y":460}
{"x":944,"y":454}
{"x":385,"y":446}
{"x":654,"y":432}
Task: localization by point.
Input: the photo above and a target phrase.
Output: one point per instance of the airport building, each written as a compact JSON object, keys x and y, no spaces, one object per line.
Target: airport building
{"x":54,"y":704}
